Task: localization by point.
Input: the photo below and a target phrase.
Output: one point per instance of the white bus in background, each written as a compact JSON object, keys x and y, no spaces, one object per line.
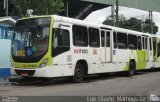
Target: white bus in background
{"x":55,"y":46}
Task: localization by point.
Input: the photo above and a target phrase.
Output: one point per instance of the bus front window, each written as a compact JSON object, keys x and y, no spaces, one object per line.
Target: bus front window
{"x":30,"y":41}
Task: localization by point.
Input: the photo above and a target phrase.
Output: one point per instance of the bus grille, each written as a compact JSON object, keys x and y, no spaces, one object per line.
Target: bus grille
{"x":29,"y":72}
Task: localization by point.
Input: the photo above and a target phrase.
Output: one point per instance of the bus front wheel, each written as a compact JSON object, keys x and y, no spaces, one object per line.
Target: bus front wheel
{"x":78,"y":73}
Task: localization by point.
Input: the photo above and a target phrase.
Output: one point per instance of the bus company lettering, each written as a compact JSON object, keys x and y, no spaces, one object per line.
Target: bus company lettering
{"x":29,"y":65}
{"x":83,"y":51}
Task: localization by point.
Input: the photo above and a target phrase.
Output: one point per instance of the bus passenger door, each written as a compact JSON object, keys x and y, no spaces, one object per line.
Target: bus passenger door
{"x":150,"y":54}
{"x":144,"y":50}
{"x":156,"y":53}
{"x":106,"y":51}
{"x":147,"y":52}
{"x":61,"y":50}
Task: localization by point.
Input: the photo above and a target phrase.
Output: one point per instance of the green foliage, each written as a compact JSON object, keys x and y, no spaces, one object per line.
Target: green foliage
{"x":147,"y":27}
{"x":133,"y":24}
{"x":39,"y":7}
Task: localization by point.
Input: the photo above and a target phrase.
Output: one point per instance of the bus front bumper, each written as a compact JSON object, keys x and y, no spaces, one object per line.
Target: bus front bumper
{"x":48,"y":71}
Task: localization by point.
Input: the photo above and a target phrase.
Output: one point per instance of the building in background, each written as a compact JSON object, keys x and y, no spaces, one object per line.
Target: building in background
{"x":6,"y":29}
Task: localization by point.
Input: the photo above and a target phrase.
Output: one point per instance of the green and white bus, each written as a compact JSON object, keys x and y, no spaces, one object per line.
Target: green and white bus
{"x":55,"y":46}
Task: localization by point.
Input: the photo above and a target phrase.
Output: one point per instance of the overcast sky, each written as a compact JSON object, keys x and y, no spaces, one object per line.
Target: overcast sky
{"x":100,"y":15}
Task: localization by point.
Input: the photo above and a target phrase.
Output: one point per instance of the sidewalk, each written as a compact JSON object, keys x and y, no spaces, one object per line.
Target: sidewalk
{"x":8,"y":80}
{"x":4,"y":81}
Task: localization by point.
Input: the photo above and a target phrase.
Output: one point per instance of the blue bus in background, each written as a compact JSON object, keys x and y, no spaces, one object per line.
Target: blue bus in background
{"x":6,"y":29}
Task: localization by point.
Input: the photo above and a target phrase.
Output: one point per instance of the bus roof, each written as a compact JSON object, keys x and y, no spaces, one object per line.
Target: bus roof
{"x":91,"y":24}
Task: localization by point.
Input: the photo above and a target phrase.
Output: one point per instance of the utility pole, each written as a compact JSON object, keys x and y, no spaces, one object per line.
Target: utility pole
{"x":66,"y":7}
{"x":151,"y":21}
{"x":117,"y":10}
{"x":113,"y":14}
{"x":143,"y":19}
{"x":6,"y":7}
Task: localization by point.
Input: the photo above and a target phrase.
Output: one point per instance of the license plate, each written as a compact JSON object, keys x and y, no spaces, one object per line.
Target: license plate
{"x":24,"y":74}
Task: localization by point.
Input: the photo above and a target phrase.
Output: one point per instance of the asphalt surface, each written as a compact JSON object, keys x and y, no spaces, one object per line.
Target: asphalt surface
{"x":142,"y":84}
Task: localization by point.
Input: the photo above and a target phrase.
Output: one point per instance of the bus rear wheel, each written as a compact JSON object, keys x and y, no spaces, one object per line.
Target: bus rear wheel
{"x":132,"y":69}
{"x":78,"y":73}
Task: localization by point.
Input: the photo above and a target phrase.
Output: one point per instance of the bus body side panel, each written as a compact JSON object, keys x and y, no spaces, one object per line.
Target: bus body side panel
{"x":150,"y":63}
{"x":62,"y":65}
{"x":90,"y":55}
{"x":142,"y":57}
{"x":121,"y":58}
{"x":157,"y":63}
{"x":94,"y":60}
{"x":149,"y":54}
{"x":156,"y":56}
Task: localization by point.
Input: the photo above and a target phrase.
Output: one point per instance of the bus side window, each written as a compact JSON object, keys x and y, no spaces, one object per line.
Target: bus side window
{"x":108,"y":39}
{"x":80,"y":36}
{"x":94,"y":39}
{"x":115,"y":39}
{"x":132,"y":41}
{"x":158,"y":49}
{"x":146,"y":43}
{"x":61,"y":42}
{"x":139,"y":41}
{"x":102,"y":39}
{"x":143,"y":42}
{"x":154,"y":46}
{"x":150,"y":43}
{"x":122,"y":40}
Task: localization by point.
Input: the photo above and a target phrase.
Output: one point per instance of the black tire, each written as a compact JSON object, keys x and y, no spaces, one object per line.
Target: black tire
{"x":132,"y":69}
{"x":78,"y":73}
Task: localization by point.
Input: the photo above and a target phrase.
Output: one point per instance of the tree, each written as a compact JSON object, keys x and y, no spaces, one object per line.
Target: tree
{"x":40,"y":7}
{"x":147,"y":26}
{"x":133,"y":24}
{"x":110,"y":20}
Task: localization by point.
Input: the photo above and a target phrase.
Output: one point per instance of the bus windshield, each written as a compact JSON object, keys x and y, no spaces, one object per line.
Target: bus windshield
{"x":30,"y":39}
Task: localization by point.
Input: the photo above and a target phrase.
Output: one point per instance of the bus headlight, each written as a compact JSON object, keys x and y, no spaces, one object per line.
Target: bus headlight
{"x":43,"y":64}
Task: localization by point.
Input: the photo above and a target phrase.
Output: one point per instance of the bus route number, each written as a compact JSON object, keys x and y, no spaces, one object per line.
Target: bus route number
{"x":20,"y":53}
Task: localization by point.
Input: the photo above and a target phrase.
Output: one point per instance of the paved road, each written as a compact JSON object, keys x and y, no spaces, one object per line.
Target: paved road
{"x":142,"y":84}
